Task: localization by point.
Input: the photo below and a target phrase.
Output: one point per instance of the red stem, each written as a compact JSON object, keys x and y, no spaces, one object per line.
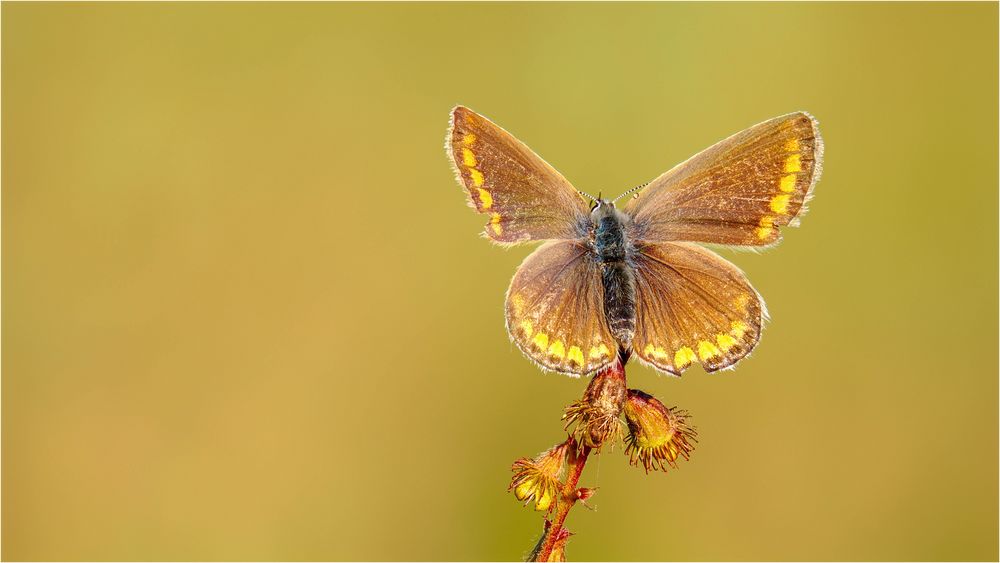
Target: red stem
{"x":566,"y":502}
{"x":607,"y":385}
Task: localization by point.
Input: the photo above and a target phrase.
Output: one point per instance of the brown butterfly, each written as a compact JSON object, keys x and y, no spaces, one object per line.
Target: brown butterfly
{"x":614,"y":281}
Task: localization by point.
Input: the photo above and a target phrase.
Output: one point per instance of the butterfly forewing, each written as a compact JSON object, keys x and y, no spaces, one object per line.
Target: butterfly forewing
{"x":524,"y":197}
{"x":692,"y":306}
{"x":737,"y":192}
{"x":555,"y":309}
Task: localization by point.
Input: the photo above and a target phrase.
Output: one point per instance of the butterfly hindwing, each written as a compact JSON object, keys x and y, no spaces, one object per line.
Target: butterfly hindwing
{"x":692,"y":306}
{"x":555,"y":309}
{"x":525,"y":198}
{"x":737,"y":192}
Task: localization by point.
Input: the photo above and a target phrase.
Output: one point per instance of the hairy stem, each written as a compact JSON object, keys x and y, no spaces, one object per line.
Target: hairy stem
{"x":567,"y":500}
{"x":596,"y":419}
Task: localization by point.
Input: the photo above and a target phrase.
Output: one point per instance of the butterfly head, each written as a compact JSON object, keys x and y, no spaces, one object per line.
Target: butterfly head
{"x":601,"y":208}
{"x":598,"y":203}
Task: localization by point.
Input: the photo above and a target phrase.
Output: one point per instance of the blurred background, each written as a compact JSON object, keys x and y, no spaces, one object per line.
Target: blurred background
{"x":247,"y":314}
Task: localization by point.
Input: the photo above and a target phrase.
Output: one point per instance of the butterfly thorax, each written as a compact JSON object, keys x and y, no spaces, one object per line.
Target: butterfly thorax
{"x":610,"y":241}
{"x":612,"y":250}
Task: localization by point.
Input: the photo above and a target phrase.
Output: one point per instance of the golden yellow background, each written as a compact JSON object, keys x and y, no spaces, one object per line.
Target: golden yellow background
{"x":247,"y":315}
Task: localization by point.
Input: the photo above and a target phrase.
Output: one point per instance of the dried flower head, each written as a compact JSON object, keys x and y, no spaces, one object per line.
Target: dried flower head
{"x":657,"y":436}
{"x":597,"y":414}
{"x":538,"y":479}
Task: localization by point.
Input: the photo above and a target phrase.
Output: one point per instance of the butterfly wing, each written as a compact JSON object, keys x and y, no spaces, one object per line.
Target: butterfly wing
{"x":525,"y":198}
{"x":555,"y":309}
{"x":692,"y":306}
{"x":737,"y":192}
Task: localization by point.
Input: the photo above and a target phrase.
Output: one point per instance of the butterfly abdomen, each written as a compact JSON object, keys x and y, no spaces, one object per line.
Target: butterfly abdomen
{"x":617,"y":275}
{"x":619,"y":301}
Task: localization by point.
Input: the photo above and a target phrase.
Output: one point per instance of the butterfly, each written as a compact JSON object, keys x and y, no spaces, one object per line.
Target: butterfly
{"x":609,"y":282}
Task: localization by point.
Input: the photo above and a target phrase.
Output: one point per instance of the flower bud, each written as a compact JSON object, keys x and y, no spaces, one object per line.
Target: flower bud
{"x":538,"y":479}
{"x":657,"y":436}
{"x":596,"y":415}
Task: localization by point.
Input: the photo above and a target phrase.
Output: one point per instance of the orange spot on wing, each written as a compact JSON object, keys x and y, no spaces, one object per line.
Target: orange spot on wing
{"x":598,"y":351}
{"x":739,"y":328}
{"x":557,"y":349}
{"x":468,"y":158}
{"x":766,"y":227}
{"x":495,"y":224}
{"x":707,"y":350}
{"x":684,"y":357}
{"x":527,"y":328}
{"x":779,"y":203}
{"x":725,"y":342}
{"x":793,"y":163}
{"x":477,"y":177}
{"x":541,"y":340}
{"x":787,"y":183}
{"x":485,"y":198}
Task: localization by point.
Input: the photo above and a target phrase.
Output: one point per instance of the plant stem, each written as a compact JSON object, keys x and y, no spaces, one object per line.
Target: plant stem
{"x":567,"y":500}
{"x":601,"y":403}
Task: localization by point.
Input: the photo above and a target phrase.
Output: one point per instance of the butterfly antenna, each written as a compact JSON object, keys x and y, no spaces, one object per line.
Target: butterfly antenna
{"x":588,"y":196}
{"x":630,"y":192}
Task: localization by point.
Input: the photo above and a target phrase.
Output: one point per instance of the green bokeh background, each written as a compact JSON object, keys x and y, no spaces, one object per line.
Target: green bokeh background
{"x":247,"y":314}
